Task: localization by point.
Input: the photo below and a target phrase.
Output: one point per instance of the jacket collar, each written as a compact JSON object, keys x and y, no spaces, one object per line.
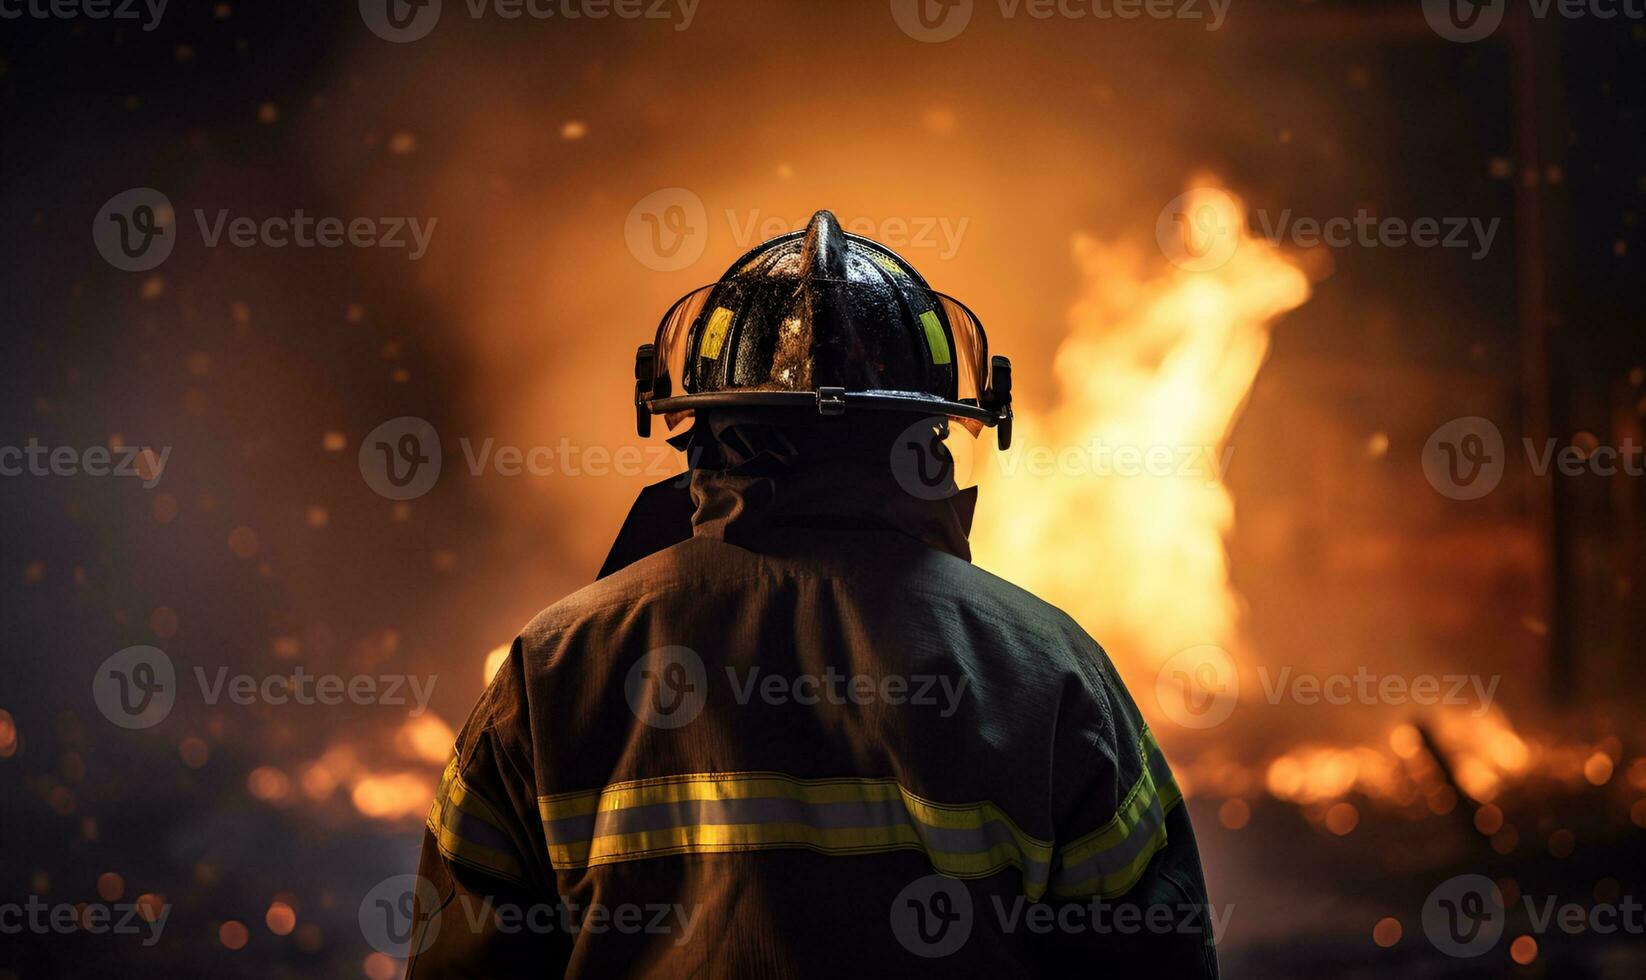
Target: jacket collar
{"x":740,"y":503}
{"x":749,"y":479}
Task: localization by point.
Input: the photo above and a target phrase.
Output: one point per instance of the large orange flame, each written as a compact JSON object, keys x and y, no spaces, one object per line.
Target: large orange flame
{"x":1111,"y":503}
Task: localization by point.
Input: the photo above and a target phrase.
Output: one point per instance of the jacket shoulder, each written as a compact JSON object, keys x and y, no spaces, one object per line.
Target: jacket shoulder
{"x":1013,"y":604}
{"x":632,"y":585}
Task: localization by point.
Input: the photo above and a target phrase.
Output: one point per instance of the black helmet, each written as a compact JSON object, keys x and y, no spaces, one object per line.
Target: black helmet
{"x":826,"y":319}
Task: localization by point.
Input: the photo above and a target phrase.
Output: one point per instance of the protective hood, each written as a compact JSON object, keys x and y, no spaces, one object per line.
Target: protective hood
{"x":753,"y":474}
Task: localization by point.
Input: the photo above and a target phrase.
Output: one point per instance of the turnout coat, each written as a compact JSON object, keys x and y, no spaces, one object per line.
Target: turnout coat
{"x":792,"y":731}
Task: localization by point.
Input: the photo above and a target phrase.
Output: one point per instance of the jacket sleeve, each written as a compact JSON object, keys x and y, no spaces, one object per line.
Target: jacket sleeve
{"x":1125,"y":850}
{"x":486,"y":904}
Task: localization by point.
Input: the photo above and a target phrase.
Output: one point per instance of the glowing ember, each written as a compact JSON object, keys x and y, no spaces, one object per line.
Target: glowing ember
{"x":425,"y":737}
{"x":280,"y":918}
{"x":1484,"y":751}
{"x":395,"y":796}
{"x":268,"y":783}
{"x":494,"y":660}
{"x":384,"y":788}
{"x":1485,"y":754}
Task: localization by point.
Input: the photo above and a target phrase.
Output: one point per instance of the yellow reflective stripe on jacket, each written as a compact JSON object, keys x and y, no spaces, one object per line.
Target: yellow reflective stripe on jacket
{"x":741,"y":811}
{"x":726,"y":812}
{"x":468,"y":829}
{"x":1108,"y":861}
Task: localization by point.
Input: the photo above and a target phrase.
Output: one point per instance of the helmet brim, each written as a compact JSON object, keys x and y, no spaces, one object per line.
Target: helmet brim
{"x":907,"y":402}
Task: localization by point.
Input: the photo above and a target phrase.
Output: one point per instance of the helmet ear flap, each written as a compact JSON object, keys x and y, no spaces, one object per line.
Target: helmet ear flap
{"x":1000,"y":398}
{"x":645,"y":374}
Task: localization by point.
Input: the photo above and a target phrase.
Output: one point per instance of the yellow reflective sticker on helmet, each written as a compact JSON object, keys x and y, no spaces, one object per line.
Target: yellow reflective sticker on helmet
{"x":714,"y":335}
{"x":935,"y":336}
{"x":889,"y":264}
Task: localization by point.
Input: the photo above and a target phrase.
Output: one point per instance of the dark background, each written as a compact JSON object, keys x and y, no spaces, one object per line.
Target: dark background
{"x":520,"y":323}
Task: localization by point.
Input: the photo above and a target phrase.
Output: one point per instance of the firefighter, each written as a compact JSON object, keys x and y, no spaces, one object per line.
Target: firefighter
{"x":791,"y":730}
